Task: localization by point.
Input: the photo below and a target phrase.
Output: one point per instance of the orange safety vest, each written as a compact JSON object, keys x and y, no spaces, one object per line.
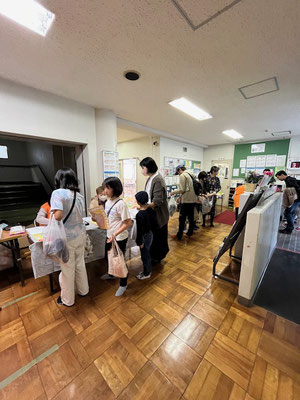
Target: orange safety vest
{"x":47,"y":208}
{"x":237,"y":194}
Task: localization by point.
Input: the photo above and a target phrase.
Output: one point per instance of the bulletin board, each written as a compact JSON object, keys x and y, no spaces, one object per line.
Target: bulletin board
{"x":258,"y":156}
{"x":170,"y":165}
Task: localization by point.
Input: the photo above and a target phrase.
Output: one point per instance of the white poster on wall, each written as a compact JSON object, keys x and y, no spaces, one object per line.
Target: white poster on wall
{"x":110,"y":163}
{"x":271,"y":160}
{"x":260,"y":161}
{"x":251,"y":162}
{"x":280,"y":161}
{"x":243,"y":163}
{"x":236,"y":172}
{"x":258,"y":148}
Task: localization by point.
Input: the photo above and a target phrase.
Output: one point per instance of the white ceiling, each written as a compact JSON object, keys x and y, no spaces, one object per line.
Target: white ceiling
{"x":92,"y":42}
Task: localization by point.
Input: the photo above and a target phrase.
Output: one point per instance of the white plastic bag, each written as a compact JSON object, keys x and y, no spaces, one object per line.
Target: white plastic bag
{"x":207,"y":205}
{"x":172,"y":206}
{"x":55,"y":241}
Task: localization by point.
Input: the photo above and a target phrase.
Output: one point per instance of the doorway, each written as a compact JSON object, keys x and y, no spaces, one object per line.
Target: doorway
{"x":225,"y":177}
{"x":128,"y":175}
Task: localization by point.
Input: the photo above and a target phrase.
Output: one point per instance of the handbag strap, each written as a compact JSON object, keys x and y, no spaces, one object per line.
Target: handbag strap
{"x":112,"y":207}
{"x":69,"y":213}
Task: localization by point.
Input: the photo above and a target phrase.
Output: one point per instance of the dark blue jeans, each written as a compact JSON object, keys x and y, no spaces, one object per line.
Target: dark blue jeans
{"x":145,"y":253}
{"x":289,"y":214}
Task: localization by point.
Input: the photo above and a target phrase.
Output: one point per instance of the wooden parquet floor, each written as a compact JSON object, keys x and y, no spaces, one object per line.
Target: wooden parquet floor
{"x":180,"y":335}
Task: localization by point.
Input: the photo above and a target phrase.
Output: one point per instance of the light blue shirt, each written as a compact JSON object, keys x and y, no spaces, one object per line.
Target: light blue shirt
{"x":62,"y":199}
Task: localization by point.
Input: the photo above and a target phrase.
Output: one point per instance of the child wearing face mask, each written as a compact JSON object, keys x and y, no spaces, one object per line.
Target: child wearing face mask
{"x":99,"y":199}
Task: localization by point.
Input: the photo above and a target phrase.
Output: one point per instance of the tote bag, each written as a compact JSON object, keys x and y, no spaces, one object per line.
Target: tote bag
{"x":116,"y":262}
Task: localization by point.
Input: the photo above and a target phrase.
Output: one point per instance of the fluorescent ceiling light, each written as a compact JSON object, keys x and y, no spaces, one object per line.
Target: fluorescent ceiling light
{"x":28,"y":13}
{"x":233,"y":134}
{"x":189,"y":108}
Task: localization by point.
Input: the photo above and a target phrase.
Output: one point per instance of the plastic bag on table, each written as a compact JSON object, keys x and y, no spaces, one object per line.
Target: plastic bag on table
{"x":172,"y":206}
{"x":55,"y":241}
{"x":99,"y":215}
{"x":116,"y":262}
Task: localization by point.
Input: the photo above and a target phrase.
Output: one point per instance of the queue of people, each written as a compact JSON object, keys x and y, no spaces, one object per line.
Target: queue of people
{"x":67,"y":205}
{"x":196,"y":196}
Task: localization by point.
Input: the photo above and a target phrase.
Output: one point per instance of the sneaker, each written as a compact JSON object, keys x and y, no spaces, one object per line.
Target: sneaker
{"x":60,"y":302}
{"x":287,"y":231}
{"x":121,"y":291}
{"x":175,"y":237}
{"x":142,"y":276}
{"x":107,"y":277}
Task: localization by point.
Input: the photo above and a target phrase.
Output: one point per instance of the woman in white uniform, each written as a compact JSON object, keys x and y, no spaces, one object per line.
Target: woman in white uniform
{"x":64,"y":199}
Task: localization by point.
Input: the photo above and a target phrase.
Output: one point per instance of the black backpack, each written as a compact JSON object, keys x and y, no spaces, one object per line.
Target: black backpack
{"x":196,"y":185}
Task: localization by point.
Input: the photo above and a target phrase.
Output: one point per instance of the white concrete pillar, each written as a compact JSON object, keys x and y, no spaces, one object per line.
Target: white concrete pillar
{"x":106,"y":136}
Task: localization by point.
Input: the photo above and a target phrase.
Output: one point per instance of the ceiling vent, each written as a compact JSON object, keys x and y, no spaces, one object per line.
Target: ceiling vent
{"x":281,"y":133}
{"x":260,"y":88}
{"x":184,"y":149}
{"x":198,"y":14}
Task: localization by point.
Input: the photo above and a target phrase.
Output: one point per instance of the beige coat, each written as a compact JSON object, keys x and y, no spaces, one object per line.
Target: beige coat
{"x":289,"y":197}
{"x":186,"y":188}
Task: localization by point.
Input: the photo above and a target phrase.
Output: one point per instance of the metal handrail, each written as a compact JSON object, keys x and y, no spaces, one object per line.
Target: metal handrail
{"x":31,"y":166}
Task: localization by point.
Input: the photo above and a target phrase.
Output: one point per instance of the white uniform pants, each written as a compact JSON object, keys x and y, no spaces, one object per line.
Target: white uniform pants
{"x":73,"y":273}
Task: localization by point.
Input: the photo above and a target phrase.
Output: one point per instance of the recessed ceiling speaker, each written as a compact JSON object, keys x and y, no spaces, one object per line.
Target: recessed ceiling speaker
{"x":132,"y":75}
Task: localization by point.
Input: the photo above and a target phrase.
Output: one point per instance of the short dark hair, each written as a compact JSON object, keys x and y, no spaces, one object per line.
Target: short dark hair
{"x":282,"y":172}
{"x":65,"y":178}
{"x":202,"y":175}
{"x":267,"y":170}
{"x":150,"y":164}
{"x":115,"y":184}
{"x":214,"y":169}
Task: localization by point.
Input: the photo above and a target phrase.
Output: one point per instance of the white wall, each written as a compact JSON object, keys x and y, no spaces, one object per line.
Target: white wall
{"x":139,"y":148}
{"x":30,"y":112}
{"x":294,"y":151}
{"x":172,"y":148}
{"x":221,"y":152}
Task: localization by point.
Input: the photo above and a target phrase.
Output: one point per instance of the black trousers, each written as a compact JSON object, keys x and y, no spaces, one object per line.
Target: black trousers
{"x":187,"y":211}
{"x":213,"y":209}
{"x":122,"y":244}
{"x":160,"y":246}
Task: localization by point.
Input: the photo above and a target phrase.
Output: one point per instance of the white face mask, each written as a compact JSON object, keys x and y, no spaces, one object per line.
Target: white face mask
{"x":103,"y":197}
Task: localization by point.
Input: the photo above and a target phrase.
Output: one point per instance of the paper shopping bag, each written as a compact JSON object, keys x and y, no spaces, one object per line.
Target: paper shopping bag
{"x":99,"y":215}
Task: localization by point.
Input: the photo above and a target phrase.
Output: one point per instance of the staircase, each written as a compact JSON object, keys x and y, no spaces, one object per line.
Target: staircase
{"x":20,"y":201}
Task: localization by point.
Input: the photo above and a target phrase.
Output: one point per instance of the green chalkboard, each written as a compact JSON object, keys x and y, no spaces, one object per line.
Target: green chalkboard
{"x":242,"y":151}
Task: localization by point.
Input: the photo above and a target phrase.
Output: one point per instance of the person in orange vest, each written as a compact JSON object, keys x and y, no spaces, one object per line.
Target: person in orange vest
{"x":43,"y":215}
{"x":236,"y":198}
